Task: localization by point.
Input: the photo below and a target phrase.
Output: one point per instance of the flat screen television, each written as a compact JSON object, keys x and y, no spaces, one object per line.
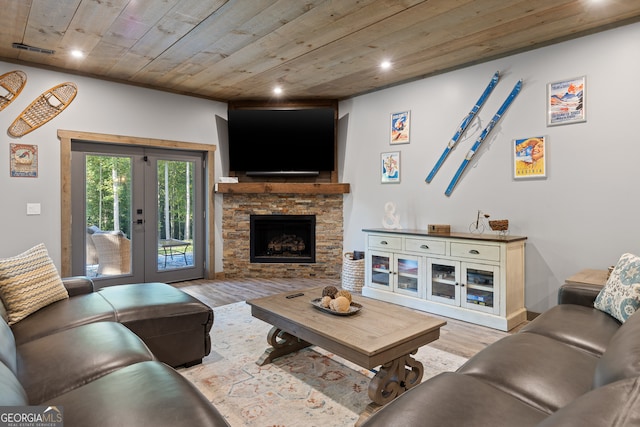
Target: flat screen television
{"x":299,"y":141}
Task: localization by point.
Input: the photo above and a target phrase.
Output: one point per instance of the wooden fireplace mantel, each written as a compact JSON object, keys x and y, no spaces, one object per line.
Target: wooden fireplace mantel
{"x":283,"y":188}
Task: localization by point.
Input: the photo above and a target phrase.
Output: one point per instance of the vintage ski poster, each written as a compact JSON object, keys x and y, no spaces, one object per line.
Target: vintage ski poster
{"x":529,"y":159}
{"x":400,"y":125}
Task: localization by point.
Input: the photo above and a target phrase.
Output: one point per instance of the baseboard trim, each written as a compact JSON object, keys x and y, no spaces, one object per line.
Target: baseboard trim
{"x":532,"y":315}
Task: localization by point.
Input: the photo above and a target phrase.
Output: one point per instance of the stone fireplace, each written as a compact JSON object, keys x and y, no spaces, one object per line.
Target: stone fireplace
{"x":282,"y":238}
{"x":238,"y":209}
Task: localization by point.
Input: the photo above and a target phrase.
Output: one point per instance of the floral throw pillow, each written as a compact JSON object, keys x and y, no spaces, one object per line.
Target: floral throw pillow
{"x":620,"y":296}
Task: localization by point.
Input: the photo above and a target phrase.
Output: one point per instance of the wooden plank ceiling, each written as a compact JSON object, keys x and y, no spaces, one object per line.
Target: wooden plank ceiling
{"x":314,"y":49}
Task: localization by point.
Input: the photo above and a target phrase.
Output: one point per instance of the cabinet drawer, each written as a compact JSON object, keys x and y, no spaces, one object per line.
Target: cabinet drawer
{"x":475,"y":251}
{"x":384,"y":242}
{"x":433,"y":247}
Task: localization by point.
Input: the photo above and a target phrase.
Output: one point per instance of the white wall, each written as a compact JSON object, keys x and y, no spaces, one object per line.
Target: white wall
{"x":101,"y":107}
{"x":585,"y":214}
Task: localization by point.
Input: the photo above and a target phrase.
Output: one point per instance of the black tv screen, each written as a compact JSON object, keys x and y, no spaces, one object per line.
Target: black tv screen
{"x":275,"y":141}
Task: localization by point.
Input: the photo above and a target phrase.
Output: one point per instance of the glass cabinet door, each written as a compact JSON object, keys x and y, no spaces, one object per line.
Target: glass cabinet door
{"x":380,"y":270}
{"x":443,"y":281}
{"x":480,"y":287}
{"x":407,"y":275}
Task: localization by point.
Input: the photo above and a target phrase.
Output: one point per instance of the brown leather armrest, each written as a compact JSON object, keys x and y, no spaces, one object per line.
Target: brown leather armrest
{"x":78,"y":285}
{"x":578,"y":293}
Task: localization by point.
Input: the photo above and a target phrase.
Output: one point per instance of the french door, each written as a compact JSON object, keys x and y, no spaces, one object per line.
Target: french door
{"x":138,"y":214}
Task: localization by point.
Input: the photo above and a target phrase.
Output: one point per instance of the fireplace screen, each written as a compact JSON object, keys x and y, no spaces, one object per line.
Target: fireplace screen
{"x":283,"y":238}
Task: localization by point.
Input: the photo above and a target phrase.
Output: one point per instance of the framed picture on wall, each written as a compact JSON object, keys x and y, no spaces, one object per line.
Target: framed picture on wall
{"x":390,"y":167}
{"x":566,"y":101}
{"x":23,"y":161}
{"x":529,"y":158}
{"x":400,"y":126}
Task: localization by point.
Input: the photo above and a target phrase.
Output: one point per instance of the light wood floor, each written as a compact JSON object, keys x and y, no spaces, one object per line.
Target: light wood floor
{"x":457,"y":337}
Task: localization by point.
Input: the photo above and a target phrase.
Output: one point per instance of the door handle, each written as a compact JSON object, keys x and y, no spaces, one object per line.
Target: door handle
{"x":139,"y":221}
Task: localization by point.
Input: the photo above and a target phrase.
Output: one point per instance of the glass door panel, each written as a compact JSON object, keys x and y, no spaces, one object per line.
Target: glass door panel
{"x":108,"y":215}
{"x":443,"y":281}
{"x":380,"y":270}
{"x":176,"y":206}
{"x":174,"y":216}
{"x":479,"y":287}
{"x":408,"y":274}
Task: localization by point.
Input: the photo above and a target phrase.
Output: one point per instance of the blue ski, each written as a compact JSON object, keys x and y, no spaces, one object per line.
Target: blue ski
{"x":496,"y":118}
{"x":464,"y":125}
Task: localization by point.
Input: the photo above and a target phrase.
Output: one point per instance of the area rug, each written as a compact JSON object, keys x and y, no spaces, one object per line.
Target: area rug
{"x":309,"y":388}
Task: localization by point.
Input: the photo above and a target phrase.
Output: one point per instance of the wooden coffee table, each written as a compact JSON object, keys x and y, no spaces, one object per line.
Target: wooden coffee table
{"x":380,"y":334}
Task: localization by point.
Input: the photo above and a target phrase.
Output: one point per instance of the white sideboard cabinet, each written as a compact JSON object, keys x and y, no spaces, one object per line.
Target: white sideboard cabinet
{"x":477,"y":278}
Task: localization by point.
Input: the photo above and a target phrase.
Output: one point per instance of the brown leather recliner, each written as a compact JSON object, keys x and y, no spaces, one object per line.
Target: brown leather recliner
{"x":572,"y":366}
{"x":81,"y":355}
{"x":172,"y":323}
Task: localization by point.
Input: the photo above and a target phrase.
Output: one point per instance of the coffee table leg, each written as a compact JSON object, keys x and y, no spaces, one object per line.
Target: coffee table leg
{"x":394,"y":378}
{"x":282,"y":343}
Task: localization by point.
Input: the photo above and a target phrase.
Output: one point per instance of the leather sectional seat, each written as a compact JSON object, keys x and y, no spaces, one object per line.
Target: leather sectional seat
{"x":574,"y":365}
{"x":81,"y":354}
{"x":172,"y":323}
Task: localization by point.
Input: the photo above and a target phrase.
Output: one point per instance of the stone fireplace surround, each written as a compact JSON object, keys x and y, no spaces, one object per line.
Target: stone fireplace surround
{"x":237,"y":209}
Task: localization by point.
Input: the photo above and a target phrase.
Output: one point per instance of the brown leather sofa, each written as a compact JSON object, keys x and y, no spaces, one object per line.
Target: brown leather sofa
{"x":572,"y":366}
{"x":82,"y":355}
{"x":173,"y":324}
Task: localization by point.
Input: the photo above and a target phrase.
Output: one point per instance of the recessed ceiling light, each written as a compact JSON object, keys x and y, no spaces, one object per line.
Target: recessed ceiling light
{"x":77,"y":53}
{"x":385,"y":65}
{"x":277,"y":90}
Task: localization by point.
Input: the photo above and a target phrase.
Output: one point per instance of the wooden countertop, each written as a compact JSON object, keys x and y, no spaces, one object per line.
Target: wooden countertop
{"x":589,"y":277}
{"x":488,"y":236}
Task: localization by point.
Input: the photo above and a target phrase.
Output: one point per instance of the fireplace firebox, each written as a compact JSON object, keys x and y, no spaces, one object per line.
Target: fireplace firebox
{"x":282,"y":238}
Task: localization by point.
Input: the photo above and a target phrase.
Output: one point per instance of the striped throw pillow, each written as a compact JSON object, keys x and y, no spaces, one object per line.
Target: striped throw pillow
{"x":28,"y":282}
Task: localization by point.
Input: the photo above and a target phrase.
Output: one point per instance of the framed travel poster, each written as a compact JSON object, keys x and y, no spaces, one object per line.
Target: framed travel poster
{"x":529,"y":159}
{"x":566,"y":102}
{"x":390,"y":167}
{"x":23,"y":161}
{"x":400,"y":126}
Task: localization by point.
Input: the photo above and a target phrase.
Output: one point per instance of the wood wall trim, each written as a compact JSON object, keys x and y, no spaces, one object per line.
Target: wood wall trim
{"x":67,"y":136}
{"x":133,"y":140}
{"x":65,"y":205}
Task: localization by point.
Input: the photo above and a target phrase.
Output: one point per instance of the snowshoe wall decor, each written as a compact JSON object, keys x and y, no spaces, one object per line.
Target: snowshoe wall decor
{"x":44,"y":108}
{"x":12,"y":84}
